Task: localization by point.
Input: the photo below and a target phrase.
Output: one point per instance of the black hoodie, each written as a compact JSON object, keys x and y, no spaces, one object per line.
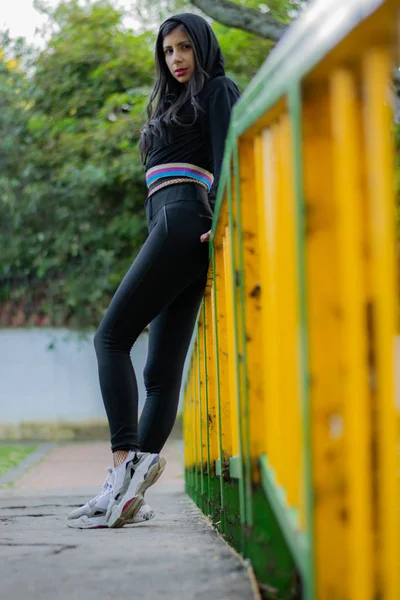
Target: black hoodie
{"x":203,"y":143}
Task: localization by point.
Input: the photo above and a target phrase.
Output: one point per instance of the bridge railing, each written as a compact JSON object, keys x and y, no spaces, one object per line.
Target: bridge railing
{"x":290,"y":420}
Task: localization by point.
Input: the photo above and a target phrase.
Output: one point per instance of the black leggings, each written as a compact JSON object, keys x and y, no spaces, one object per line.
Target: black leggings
{"x":163,"y":287}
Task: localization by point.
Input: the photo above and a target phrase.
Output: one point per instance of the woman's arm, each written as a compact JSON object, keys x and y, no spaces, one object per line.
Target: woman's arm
{"x":219,"y":112}
{"x":221,"y":100}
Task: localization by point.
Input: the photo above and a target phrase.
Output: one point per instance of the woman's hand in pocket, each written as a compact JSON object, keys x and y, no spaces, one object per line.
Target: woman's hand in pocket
{"x":206,"y":236}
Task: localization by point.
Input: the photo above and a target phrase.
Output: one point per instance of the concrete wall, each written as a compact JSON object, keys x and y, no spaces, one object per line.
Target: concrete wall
{"x":50,"y":376}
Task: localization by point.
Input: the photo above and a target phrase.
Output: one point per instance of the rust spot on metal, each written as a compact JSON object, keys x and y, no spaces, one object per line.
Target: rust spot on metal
{"x":256,"y":291}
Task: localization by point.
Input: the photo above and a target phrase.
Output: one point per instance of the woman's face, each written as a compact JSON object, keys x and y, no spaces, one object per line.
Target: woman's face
{"x":179,"y":56}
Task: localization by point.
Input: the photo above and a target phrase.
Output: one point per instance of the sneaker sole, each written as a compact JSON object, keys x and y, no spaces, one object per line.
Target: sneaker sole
{"x":85,"y":522}
{"x":124,"y":515}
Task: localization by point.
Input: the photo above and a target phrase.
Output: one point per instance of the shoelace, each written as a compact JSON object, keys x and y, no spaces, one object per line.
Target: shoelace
{"x":107,"y":485}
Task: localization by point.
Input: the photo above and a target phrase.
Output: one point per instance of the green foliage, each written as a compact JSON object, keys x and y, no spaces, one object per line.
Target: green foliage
{"x":10,"y":456}
{"x":281,"y":9}
{"x":244,"y":53}
{"x":73,"y":218}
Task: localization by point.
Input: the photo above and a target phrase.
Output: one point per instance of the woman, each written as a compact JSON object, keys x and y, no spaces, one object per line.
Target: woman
{"x":182,"y":146}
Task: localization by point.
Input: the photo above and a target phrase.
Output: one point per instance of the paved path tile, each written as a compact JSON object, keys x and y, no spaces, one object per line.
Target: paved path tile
{"x":175,"y":556}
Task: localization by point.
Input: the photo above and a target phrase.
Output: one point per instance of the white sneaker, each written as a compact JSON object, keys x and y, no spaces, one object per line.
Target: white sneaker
{"x":92,"y":515}
{"x":142,"y":470}
{"x":100,"y":522}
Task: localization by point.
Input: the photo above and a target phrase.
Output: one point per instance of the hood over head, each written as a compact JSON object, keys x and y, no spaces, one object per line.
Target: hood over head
{"x":206,"y":44}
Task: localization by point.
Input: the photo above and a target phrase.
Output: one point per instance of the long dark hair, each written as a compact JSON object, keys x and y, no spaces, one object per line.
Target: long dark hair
{"x":169,"y":94}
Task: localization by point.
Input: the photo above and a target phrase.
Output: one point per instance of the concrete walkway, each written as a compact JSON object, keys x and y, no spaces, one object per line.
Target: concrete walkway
{"x":175,"y":556}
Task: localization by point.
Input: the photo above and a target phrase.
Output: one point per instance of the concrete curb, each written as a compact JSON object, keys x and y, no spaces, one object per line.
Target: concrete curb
{"x":34,"y":457}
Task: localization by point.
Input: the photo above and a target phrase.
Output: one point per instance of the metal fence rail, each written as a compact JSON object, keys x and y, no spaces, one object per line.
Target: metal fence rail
{"x":290,"y":419}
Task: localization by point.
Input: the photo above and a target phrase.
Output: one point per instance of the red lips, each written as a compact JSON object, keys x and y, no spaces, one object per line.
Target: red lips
{"x":179,"y":72}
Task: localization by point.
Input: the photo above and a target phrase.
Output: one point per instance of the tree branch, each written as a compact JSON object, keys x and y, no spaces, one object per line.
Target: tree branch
{"x":234,"y":15}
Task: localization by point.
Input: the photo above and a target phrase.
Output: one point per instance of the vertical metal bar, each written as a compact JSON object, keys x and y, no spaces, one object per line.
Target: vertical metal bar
{"x":213,"y":431}
{"x":251,"y":174}
{"x":212,"y":401}
{"x":349,"y":195}
{"x":189,"y":441}
{"x":380,"y":168}
{"x":196,"y":419}
{"x":267,"y":208}
{"x":274,"y":353}
{"x":263,"y":179}
{"x":207,"y":415}
{"x":200,"y":417}
{"x":188,"y":435}
{"x":192,"y":419}
{"x":289,"y":368}
{"x":243,"y":396}
{"x":185,"y":438}
{"x":215,"y":301}
{"x":232,"y":225}
{"x":299,"y":209}
{"x":230,"y":339}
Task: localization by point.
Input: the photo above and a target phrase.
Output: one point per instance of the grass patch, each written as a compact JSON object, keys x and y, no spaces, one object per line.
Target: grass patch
{"x":12,"y":455}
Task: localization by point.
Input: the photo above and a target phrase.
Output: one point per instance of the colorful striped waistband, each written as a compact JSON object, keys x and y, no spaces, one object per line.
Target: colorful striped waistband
{"x":179,"y":170}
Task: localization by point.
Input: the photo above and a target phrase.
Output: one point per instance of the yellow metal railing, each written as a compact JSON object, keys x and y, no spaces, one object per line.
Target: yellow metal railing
{"x":290,"y":419}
